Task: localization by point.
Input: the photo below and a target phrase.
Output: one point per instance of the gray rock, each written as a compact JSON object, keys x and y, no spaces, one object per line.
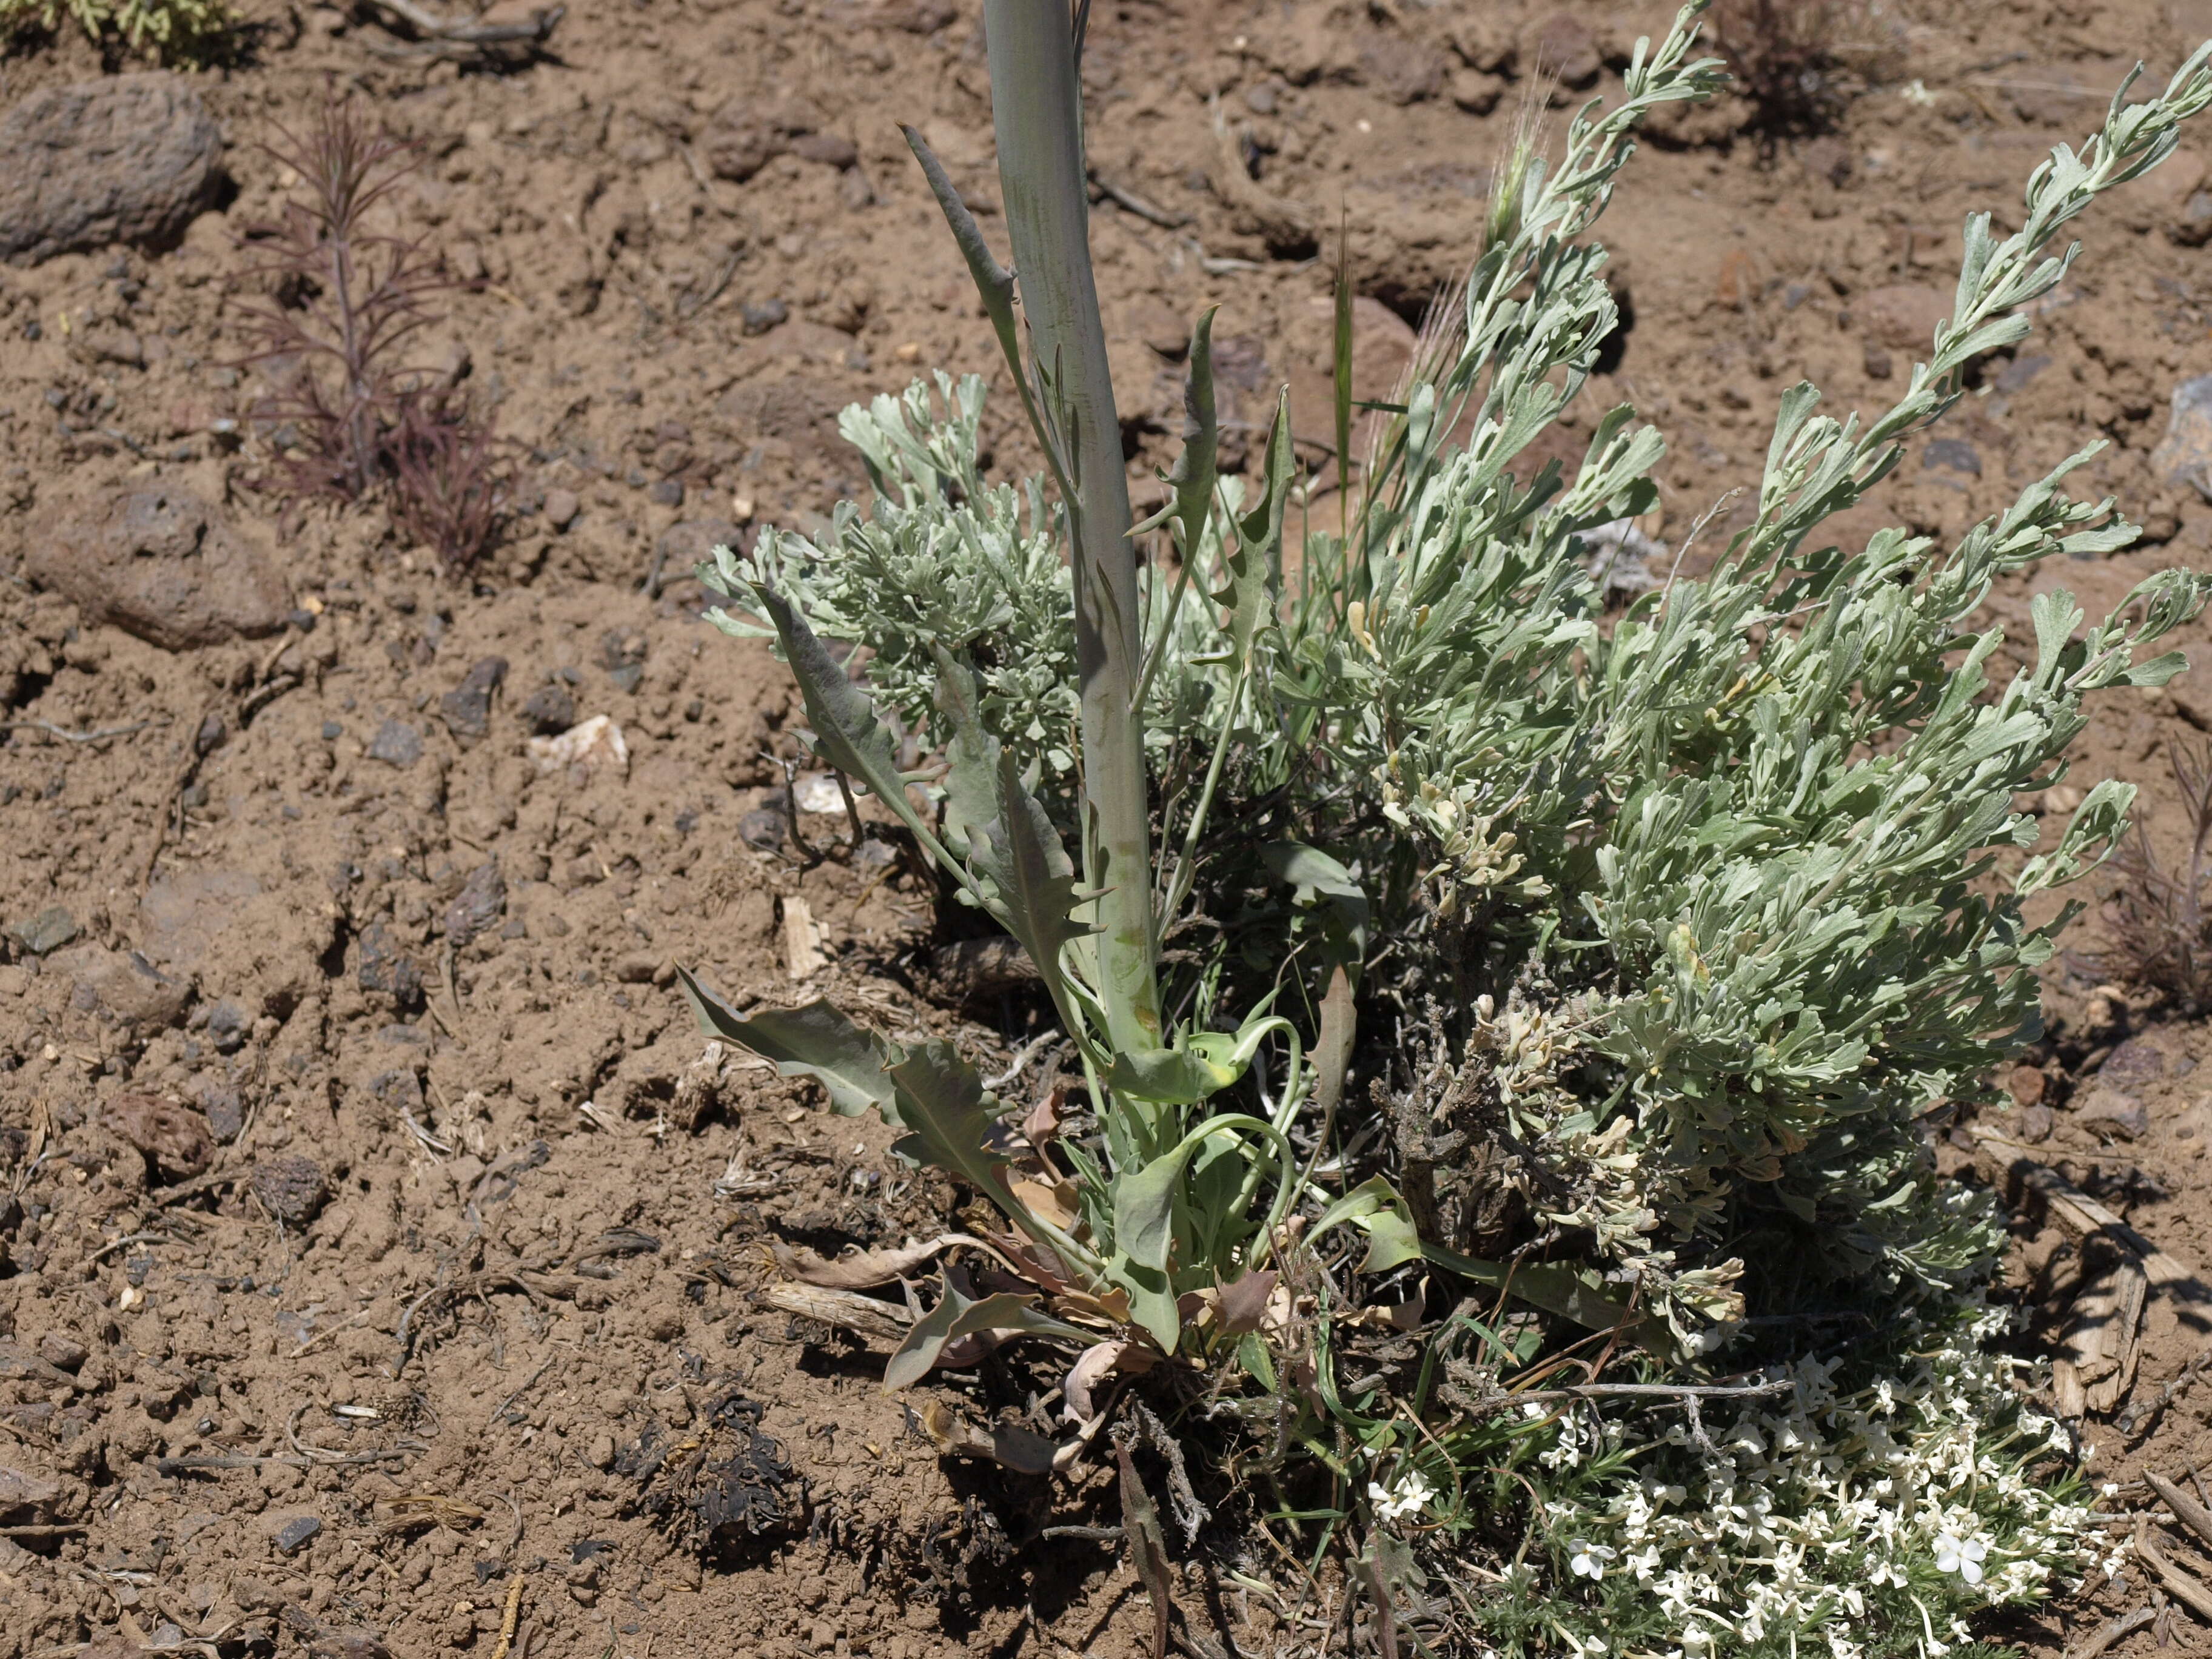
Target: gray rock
{"x":224,"y":1110}
{"x":2185,"y":456}
{"x":398,"y":1091}
{"x":467,"y":707}
{"x":292,"y":1188}
{"x":297,"y":1534}
{"x":388,"y":969}
{"x":759,"y":317}
{"x":764,"y":827}
{"x":2132,"y":1062}
{"x":550,"y":708}
{"x":228,"y":1026}
{"x":2036,"y":1123}
{"x":185,"y":910}
{"x":1951,"y":455}
{"x":128,"y":158}
{"x":395,"y":744}
{"x":622,"y":654}
{"x":2109,"y":1110}
{"x":126,"y":987}
{"x":481,"y":902}
{"x":23,"y":1487}
{"x":46,"y":931}
{"x":161,"y":564}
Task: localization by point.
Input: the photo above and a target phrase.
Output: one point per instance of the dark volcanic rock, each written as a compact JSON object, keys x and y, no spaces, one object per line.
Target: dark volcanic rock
{"x":161,"y":564}
{"x":129,"y":158}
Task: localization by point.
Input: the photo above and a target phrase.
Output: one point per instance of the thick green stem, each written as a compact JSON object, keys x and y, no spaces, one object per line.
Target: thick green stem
{"x":1037,"y":110}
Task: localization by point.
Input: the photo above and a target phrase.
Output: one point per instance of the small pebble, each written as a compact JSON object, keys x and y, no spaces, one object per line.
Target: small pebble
{"x":396,"y":744}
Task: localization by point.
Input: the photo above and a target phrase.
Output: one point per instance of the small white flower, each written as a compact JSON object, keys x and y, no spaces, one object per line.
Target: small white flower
{"x":1963,"y":1558}
{"x":1410,"y":1497}
{"x":1589,"y":1559}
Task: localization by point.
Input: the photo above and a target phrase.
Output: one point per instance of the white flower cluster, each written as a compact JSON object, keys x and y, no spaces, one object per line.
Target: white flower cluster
{"x":1821,"y":1516}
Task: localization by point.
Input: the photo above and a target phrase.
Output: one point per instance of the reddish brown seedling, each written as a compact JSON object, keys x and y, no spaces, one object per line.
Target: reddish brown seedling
{"x":346,"y":299}
{"x":2161,"y":933}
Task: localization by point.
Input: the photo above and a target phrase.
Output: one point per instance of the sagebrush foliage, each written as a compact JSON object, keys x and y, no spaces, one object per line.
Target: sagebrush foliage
{"x":1694,"y":909}
{"x":166,"y":29}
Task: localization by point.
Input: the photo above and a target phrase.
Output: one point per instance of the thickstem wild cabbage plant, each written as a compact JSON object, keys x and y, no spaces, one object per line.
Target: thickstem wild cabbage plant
{"x":1651,"y":936}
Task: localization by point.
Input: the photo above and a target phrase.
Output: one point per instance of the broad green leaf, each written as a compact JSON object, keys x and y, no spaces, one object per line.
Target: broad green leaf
{"x":993,"y":282}
{"x":1152,"y":1303}
{"x":846,"y":732}
{"x":1192,"y":477}
{"x":1035,"y":881}
{"x":1199,"y":1066}
{"x":940,"y":1097}
{"x":1145,"y":1207}
{"x":1375,"y":1207}
{"x":1249,"y":594}
{"x":972,"y":778}
{"x":956,"y":1316}
{"x":1316,"y":876}
{"x":814,"y":1041}
{"x":1165,"y":1077}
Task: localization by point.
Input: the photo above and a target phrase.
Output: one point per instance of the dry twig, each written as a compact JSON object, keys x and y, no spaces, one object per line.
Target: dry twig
{"x":2113,"y":1631}
{"x":2185,"y":1587}
{"x":68,"y":736}
{"x":2185,"y":1509}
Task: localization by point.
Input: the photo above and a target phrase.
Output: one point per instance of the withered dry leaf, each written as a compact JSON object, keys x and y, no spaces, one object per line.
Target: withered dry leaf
{"x":410,"y":1511}
{"x":1007,"y":1444}
{"x":1244,"y":1301}
{"x":848,"y":1311}
{"x":860,"y":1270}
{"x":1140,"y":1523}
{"x":1091,"y":1366}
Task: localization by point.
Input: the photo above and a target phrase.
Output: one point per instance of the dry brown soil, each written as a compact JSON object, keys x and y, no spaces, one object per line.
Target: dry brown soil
{"x":431,"y":1284}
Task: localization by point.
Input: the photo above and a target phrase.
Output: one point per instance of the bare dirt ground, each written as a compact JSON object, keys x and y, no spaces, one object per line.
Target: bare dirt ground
{"x":381,"y":1266}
